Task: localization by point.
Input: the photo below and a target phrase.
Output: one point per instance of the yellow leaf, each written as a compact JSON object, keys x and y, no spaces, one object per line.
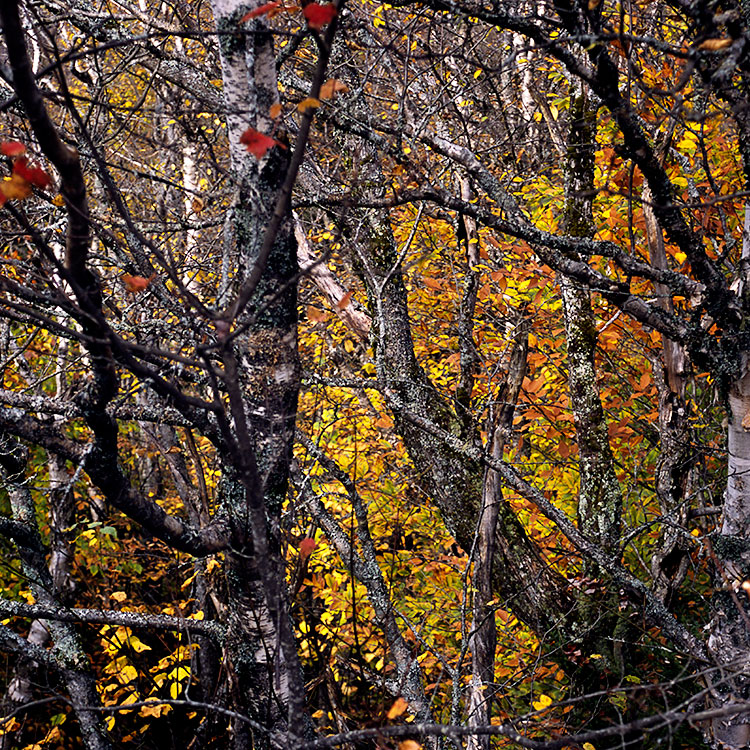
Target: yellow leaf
{"x":397,"y":708}
{"x":110,"y":722}
{"x":174,"y":690}
{"x":543,"y":702}
{"x":309,"y":103}
{"x":680,"y":257}
{"x":58,"y":201}
{"x":128,"y":673}
{"x":712,"y":45}
{"x":156,"y":710}
{"x":588,"y":746}
{"x":119,"y":596}
{"x":138,"y":645}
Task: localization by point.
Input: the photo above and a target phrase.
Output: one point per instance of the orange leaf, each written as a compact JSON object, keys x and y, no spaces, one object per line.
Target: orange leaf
{"x":344,"y":302}
{"x":12,"y":148}
{"x":257,"y":143}
{"x":32,"y":174}
{"x":309,"y":103}
{"x":332,"y":87}
{"x":397,"y":708}
{"x":259,"y":11}
{"x":15,"y":187}
{"x":136,"y":284}
{"x":714,"y":44}
{"x":409,"y":745}
{"x":306,"y":547}
{"x":319,"y":15}
{"x":274,"y":111}
{"x":315,"y":315}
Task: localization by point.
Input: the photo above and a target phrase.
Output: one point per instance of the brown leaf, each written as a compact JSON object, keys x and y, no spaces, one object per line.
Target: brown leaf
{"x":344,"y":302}
{"x":332,"y":87}
{"x":315,"y":315}
{"x":306,"y":547}
{"x":309,"y":103}
{"x":712,"y":45}
{"x":15,"y":187}
{"x":274,"y":111}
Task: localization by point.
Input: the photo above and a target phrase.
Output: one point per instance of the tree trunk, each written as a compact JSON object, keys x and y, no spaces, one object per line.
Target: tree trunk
{"x":729,"y":640}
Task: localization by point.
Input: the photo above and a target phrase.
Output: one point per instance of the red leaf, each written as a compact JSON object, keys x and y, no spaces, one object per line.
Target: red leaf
{"x":259,"y":11}
{"x":319,"y":15}
{"x":257,"y":143}
{"x":32,"y":174}
{"x":306,"y":547}
{"x":12,"y":148}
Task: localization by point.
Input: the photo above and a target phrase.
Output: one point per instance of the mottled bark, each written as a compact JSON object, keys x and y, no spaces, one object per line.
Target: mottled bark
{"x":599,"y":501}
{"x":729,"y":639}
{"x":484,"y":639}
{"x":599,"y":497}
{"x":669,"y":561}
{"x":262,"y":377}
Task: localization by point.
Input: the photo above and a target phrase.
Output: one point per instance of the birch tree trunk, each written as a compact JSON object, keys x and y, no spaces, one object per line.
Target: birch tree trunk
{"x":729,"y":640}
{"x":262,"y":377}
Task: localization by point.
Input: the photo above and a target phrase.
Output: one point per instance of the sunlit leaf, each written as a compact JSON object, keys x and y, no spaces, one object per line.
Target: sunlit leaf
{"x":399,"y":707}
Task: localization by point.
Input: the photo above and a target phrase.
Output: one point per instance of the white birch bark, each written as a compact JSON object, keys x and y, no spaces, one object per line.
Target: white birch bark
{"x":729,"y":640}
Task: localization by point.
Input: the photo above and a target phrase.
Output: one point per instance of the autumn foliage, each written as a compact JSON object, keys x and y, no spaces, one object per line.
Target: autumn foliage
{"x":260,"y":402}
